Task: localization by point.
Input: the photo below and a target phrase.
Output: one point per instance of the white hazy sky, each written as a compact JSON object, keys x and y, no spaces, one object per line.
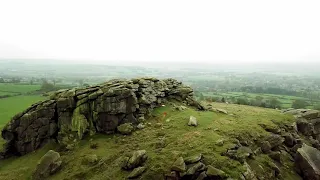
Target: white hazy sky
{"x":135,"y":30}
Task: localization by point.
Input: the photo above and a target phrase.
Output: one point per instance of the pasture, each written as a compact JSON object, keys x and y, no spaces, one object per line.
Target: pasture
{"x":13,"y":105}
{"x":286,"y":101}
{"x":18,"y":88}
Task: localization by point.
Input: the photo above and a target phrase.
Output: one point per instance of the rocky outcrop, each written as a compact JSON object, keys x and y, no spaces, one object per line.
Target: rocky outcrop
{"x":194,"y":168}
{"x":71,"y":114}
{"x":308,"y":123}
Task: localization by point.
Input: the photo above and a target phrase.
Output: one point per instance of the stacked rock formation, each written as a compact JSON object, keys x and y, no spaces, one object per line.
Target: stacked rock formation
{"x":74,"y":113}
{"x":308,"y":122}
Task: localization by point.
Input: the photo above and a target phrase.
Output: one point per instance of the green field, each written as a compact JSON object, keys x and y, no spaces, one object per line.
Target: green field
{"x":286,"y":101}
{"x":18,"y":88}
{"x":13,"y":105}
{"x":8,"y":93}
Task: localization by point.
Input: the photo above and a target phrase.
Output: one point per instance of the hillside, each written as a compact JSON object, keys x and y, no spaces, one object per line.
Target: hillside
{"x":228,"y":140}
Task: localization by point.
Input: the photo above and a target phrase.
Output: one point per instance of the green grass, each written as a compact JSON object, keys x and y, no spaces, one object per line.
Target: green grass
{"x":18,"y":88}
{"x":13,"y":105}
{"x":8,"y":93}
{"x":181,"y":140}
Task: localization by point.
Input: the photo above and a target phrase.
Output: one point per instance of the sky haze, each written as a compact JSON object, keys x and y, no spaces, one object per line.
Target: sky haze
{"x":161,"y":31}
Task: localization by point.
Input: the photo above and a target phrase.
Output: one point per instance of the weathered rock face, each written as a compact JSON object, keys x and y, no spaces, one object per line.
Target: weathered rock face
{"x":308,"y":162}
{"x":308,"y":122}
{"x":102,"y":108}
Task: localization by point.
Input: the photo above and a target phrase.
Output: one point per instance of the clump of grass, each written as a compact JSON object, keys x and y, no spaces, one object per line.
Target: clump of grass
{"x":94,"y":145}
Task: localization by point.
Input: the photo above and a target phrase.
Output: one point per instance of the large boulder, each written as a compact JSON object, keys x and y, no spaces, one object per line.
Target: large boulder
{"x":83,"y":111}
{"x":307,"y":162}
{"x":49,"y":164}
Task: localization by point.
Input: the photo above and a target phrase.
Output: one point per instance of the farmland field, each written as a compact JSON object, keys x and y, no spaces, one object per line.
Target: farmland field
{"x":18,"y":88}
{"x":8,"y":93}
{"x":12,"y":105}
{"x":286,"y":101}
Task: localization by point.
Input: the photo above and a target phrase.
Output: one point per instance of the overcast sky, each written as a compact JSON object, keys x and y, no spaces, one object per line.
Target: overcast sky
{"x":198,"y":31}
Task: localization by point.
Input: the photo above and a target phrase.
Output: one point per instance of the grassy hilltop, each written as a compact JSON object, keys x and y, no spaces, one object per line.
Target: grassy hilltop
{"x":165,"y":138}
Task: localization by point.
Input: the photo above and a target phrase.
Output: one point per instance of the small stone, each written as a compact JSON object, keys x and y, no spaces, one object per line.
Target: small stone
{"x":140,"y":126}
{"x":202,"y":176}
{"x":193,"y":121}
{"x":220,"y":142}
{"x":137,"y":159}
{"x":137,"y":172}
{"x":141,"y":119}
{"x":248,"y":174}
{"x":276,"y":169}
{"x":265,"y":147}
{"x":179,"y":165}
{"x":219,"y":110}
{"x":158,"y":125}
{"x":289,"y":140}
{"x":121,"y":161}
{"x":168,"y":120}
{"x":193,"y":159}
{"x":90,"y":159}
{"x":257,"y":151}
{"x":172,"y":176}
{"x":195,"y":168}
{"x":275,"y":140}
{"x":161,"y":143}
{"x":125,"y":128}
{"x":213,"y":172}
{"x":275,"y":156}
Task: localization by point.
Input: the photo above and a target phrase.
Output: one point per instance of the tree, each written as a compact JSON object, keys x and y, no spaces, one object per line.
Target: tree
{"x":299,"y":104}
{"x":86,"y":85}
{"x":274,"y":103}
{"x":80,"y":81}
{"x":1,"y":80}
{"x":243,"y":101}
{"x":47,"y":86}
{"x":223,"y":100}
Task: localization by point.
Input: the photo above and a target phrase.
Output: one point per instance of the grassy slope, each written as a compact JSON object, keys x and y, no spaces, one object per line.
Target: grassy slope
{"x":181,"y":140}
